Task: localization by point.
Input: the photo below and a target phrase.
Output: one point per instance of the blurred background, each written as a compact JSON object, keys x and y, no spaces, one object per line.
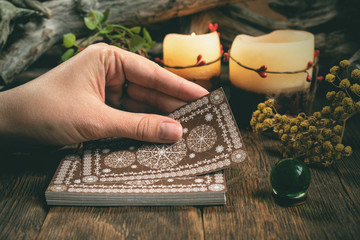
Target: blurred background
{"x":34,"y":43}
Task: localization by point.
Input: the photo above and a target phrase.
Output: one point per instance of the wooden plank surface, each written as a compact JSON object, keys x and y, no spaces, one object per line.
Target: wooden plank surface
{"x":330,"y":212}
{"x":123,"y":223}
{"x":23,"y":180}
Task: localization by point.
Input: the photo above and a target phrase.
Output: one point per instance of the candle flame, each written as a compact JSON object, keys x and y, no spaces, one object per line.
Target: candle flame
{"x":193,"y":34}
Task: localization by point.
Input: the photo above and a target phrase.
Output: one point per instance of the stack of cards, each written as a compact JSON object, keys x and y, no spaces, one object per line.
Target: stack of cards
{"x":124,"y":172}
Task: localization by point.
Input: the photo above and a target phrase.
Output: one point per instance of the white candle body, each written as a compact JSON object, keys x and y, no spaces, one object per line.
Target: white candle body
{"x":280,"y":51}
{"x":183,"y":50}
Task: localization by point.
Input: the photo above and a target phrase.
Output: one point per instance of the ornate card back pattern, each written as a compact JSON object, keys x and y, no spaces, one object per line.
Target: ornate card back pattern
{"x":68,"y":188}
{"x":211,"y":141}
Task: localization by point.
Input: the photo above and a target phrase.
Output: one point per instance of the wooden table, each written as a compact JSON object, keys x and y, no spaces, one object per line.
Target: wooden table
{"x":332,"y":210}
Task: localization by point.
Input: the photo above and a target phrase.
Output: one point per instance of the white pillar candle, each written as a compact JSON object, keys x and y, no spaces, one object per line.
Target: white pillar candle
{"x":183,"y":50}
{"x":279,"y":51}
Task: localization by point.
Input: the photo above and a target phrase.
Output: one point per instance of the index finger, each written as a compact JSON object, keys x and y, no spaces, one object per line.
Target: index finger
{"x":148,"y":74}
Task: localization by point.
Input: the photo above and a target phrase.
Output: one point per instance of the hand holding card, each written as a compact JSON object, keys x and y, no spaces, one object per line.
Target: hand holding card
{"x":211,"y":142}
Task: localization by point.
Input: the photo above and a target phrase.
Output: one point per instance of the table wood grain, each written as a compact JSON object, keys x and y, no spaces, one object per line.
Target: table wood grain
{"x":332,"y":210}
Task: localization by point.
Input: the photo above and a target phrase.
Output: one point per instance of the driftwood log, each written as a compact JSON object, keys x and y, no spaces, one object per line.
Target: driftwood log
{"x":67,"y":17}
{"x":334,"y":24}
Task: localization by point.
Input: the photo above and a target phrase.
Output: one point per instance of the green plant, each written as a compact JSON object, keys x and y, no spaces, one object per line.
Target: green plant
{"x":135,"y":39}
{"x":317,"y":138}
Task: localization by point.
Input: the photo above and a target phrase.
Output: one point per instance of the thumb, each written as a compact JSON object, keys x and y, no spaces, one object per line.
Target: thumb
{"x":143,"y":127}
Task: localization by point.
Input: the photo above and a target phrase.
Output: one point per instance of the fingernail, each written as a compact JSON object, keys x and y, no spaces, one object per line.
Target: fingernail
{"x":170,"y":131}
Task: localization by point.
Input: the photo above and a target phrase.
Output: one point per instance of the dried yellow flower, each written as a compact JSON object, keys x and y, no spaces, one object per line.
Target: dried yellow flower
{"x":355,"y":74}
{"x":326,"y":110}
{"x":339,"y":147}
{"x":268,"y":122}
{"x":345,"y":83}
{"x":337,"y":129}
{"x":348,"y":150}
{"x":355,"y":88}
{"x":330,"y":95}
{"x":330,"y":77}
{"x":344,"y":63}
{"x":334,"y":69}
{"x":317,"y":138}
{"x":284,"y":137}
{"x":259,"y":127}
{"x":261,"y":106}
{"x":317,"y":115}
{"x":256,"y":113}
{"x":327,"y":145}
{"x":357,"y":105}
{"x":294,"y":129}
{"x":304,"y":125}
{"x":269,"y":102}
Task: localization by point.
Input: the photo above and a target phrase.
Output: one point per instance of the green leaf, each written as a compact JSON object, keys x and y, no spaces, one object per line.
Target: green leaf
{"x":69,"y":40}
{"x":106,"y":15}
{"x":146,"y":45}
{"x":121,"y":27}
{"x":68,"y":54}
{"x":135,"y":30}
{"x":117,"y":36}
{"x":107,"y":29}
{"x":98,"y":16}
{"x":136,"y":42}
{"x":149,"y":45}
{"x":90,"y":23}
{"x":94,"y":19}
{"x":146,"y":35}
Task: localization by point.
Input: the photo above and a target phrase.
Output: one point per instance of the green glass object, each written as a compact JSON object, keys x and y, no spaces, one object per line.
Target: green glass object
{"x":290,"y":178}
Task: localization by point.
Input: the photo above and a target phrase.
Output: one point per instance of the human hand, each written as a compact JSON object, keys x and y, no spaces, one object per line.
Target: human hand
{"x":67,"y":104}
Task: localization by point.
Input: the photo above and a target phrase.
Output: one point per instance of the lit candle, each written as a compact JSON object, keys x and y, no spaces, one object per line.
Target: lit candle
{"x":283,"y":52}
{"x":194,"y":57}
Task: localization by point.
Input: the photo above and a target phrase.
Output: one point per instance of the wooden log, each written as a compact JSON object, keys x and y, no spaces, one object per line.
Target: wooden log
{"x":234,"y":19}
{"x":38,"y":38}
{"x":336,"y":42}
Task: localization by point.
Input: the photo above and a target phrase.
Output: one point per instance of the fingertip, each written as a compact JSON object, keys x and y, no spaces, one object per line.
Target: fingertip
{"x":170,"y":131}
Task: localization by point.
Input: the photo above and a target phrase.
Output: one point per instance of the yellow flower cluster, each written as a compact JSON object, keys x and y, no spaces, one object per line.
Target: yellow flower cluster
{"x":315,"y":138}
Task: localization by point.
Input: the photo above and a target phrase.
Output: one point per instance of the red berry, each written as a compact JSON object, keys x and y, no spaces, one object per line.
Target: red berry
{"x":226,"y":57}
{"x":201,"y":63}
{"x":215,"y":27}
{"x":320,"y":78}
{"x":308,"y":78}
{"x":157,"y":59}
{"x":309,"y":65}
{"x":316,"y":53}
{"x":263,"y":68}
{"x":218,"y":34}
{"x":199,"y":57}
{"x":210,"y":26}
{"x":263,"y":74}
